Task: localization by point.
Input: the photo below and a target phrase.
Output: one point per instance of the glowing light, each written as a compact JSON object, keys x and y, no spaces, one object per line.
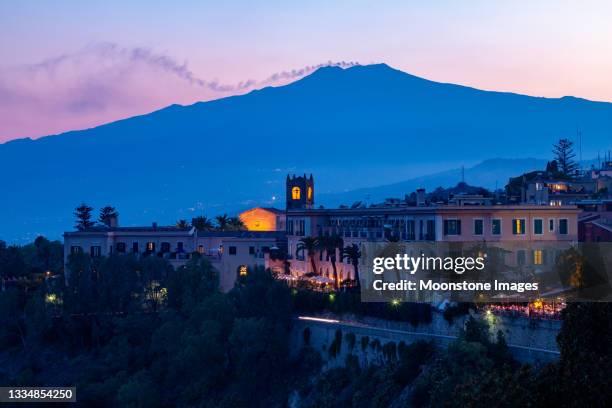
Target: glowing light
{"x":243,"y":271}
{"x":395,"y":302}
{"x":296,"y":193}
{"x":332,"y":297}
{"x":318,"y":319}
{"x":258,"y":219}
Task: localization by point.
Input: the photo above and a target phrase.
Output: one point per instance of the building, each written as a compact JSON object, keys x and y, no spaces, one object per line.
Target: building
{"x":230,"y":252}
{"x":263,"y":219}
{"x":552,"y":188}
{"x":595,"y":222}
{"x":537,"y":228}
{"x":274,"y":237}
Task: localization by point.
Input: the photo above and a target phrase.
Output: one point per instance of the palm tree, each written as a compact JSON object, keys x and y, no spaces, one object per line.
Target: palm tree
{"x":330,"y":245}
{"x":202,"y":223}
{"x":222,"y":222}
{"x":353,"y":253}
{"x":310,"y":245}
{"x":182,"y":224}
{"x":236,"y":224}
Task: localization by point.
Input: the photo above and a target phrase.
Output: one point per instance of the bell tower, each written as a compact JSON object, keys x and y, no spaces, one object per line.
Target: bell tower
{"x":300,"y":192}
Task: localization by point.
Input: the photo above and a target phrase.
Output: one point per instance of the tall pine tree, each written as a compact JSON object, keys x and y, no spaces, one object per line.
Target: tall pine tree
{"x":564,"y":155}
{"x":83,"y":217}
{"x":107,"y":214}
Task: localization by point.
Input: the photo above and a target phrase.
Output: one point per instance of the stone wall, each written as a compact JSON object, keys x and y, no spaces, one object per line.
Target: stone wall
{"x":530,"y":341}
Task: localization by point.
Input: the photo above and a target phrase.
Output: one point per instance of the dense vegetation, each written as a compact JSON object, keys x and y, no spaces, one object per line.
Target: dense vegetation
{"x":134,"y":332}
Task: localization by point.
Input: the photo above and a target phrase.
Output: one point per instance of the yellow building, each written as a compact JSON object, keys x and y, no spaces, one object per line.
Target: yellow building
{"x":263,"y":219}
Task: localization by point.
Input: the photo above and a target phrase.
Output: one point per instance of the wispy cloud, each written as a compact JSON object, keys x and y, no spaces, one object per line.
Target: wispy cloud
{"x":105,"y":82}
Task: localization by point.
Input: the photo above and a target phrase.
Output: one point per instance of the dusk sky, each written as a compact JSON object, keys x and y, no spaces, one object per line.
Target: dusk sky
{"x":71,"y":64}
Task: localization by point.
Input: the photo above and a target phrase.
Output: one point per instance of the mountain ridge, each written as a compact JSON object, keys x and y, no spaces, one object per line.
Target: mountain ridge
{"x":356,"y":127}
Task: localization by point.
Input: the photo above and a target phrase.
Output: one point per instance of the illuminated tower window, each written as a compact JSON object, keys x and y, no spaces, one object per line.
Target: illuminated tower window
{"x":309,"y":193}
{"x":295,"y":193}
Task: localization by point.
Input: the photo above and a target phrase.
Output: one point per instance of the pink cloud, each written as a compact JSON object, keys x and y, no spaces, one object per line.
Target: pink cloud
{"x":106,"y":82}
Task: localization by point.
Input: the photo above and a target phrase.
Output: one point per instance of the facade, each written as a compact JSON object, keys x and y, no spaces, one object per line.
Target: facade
{"x":274,"y":237}
{"x":539,"y":228}
{"x":171,"y":243}
{"x":228,"y":251}
{"x":595,"y":222}
{"x":542,"y":188}
{"x":263,"y":219}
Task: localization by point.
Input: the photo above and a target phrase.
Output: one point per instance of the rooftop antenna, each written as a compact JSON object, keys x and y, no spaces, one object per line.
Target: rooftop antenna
{"x":579,"y":145}
{"x":598,"y":160}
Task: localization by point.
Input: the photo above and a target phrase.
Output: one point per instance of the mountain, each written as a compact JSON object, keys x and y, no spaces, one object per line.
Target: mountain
{"x":356,"y":127}
{"x":491,"y":174}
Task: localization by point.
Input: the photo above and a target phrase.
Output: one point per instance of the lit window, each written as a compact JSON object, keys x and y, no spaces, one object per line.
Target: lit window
{"x":309,"y":193}
{"x":243,"y":270}
{"x":200,"y":249}
{"x":296,"y":193}
{"x":537,"y":257}
{"x":150,"y":246}
{"x":518,"y":226}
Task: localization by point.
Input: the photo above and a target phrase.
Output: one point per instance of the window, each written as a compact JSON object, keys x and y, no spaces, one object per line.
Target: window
{"x":563,"y":226}
{"x":537,"y":257}
{"x":135,"y":247}
{"x":165,"y":247}
{"x":150,"y":246}
{"x":478,"y":227}
{"x":121,"y":247}
{"x":496,"y":226}
{"x":180,"y":247}
{"x":410,"y":230}
{"x":296,"y":193}
{"x":431,"y":230}
{"x":518,"y":226}
{"x":232,"y":250}
{"x":452,"y":227}
{"x":551,"y":224}
{"x":538,"y":228}
{"x":251,"y":250}
{"x":520,"y":257}
{"x":309,"y":193}
{"x":95,"y":251}
{"x":75,"y":249}
{"x":200,"y":249}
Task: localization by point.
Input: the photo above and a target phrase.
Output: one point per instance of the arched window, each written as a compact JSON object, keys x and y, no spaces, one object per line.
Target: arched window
{"x":295,"y":193}
{"x":309,"y":193}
